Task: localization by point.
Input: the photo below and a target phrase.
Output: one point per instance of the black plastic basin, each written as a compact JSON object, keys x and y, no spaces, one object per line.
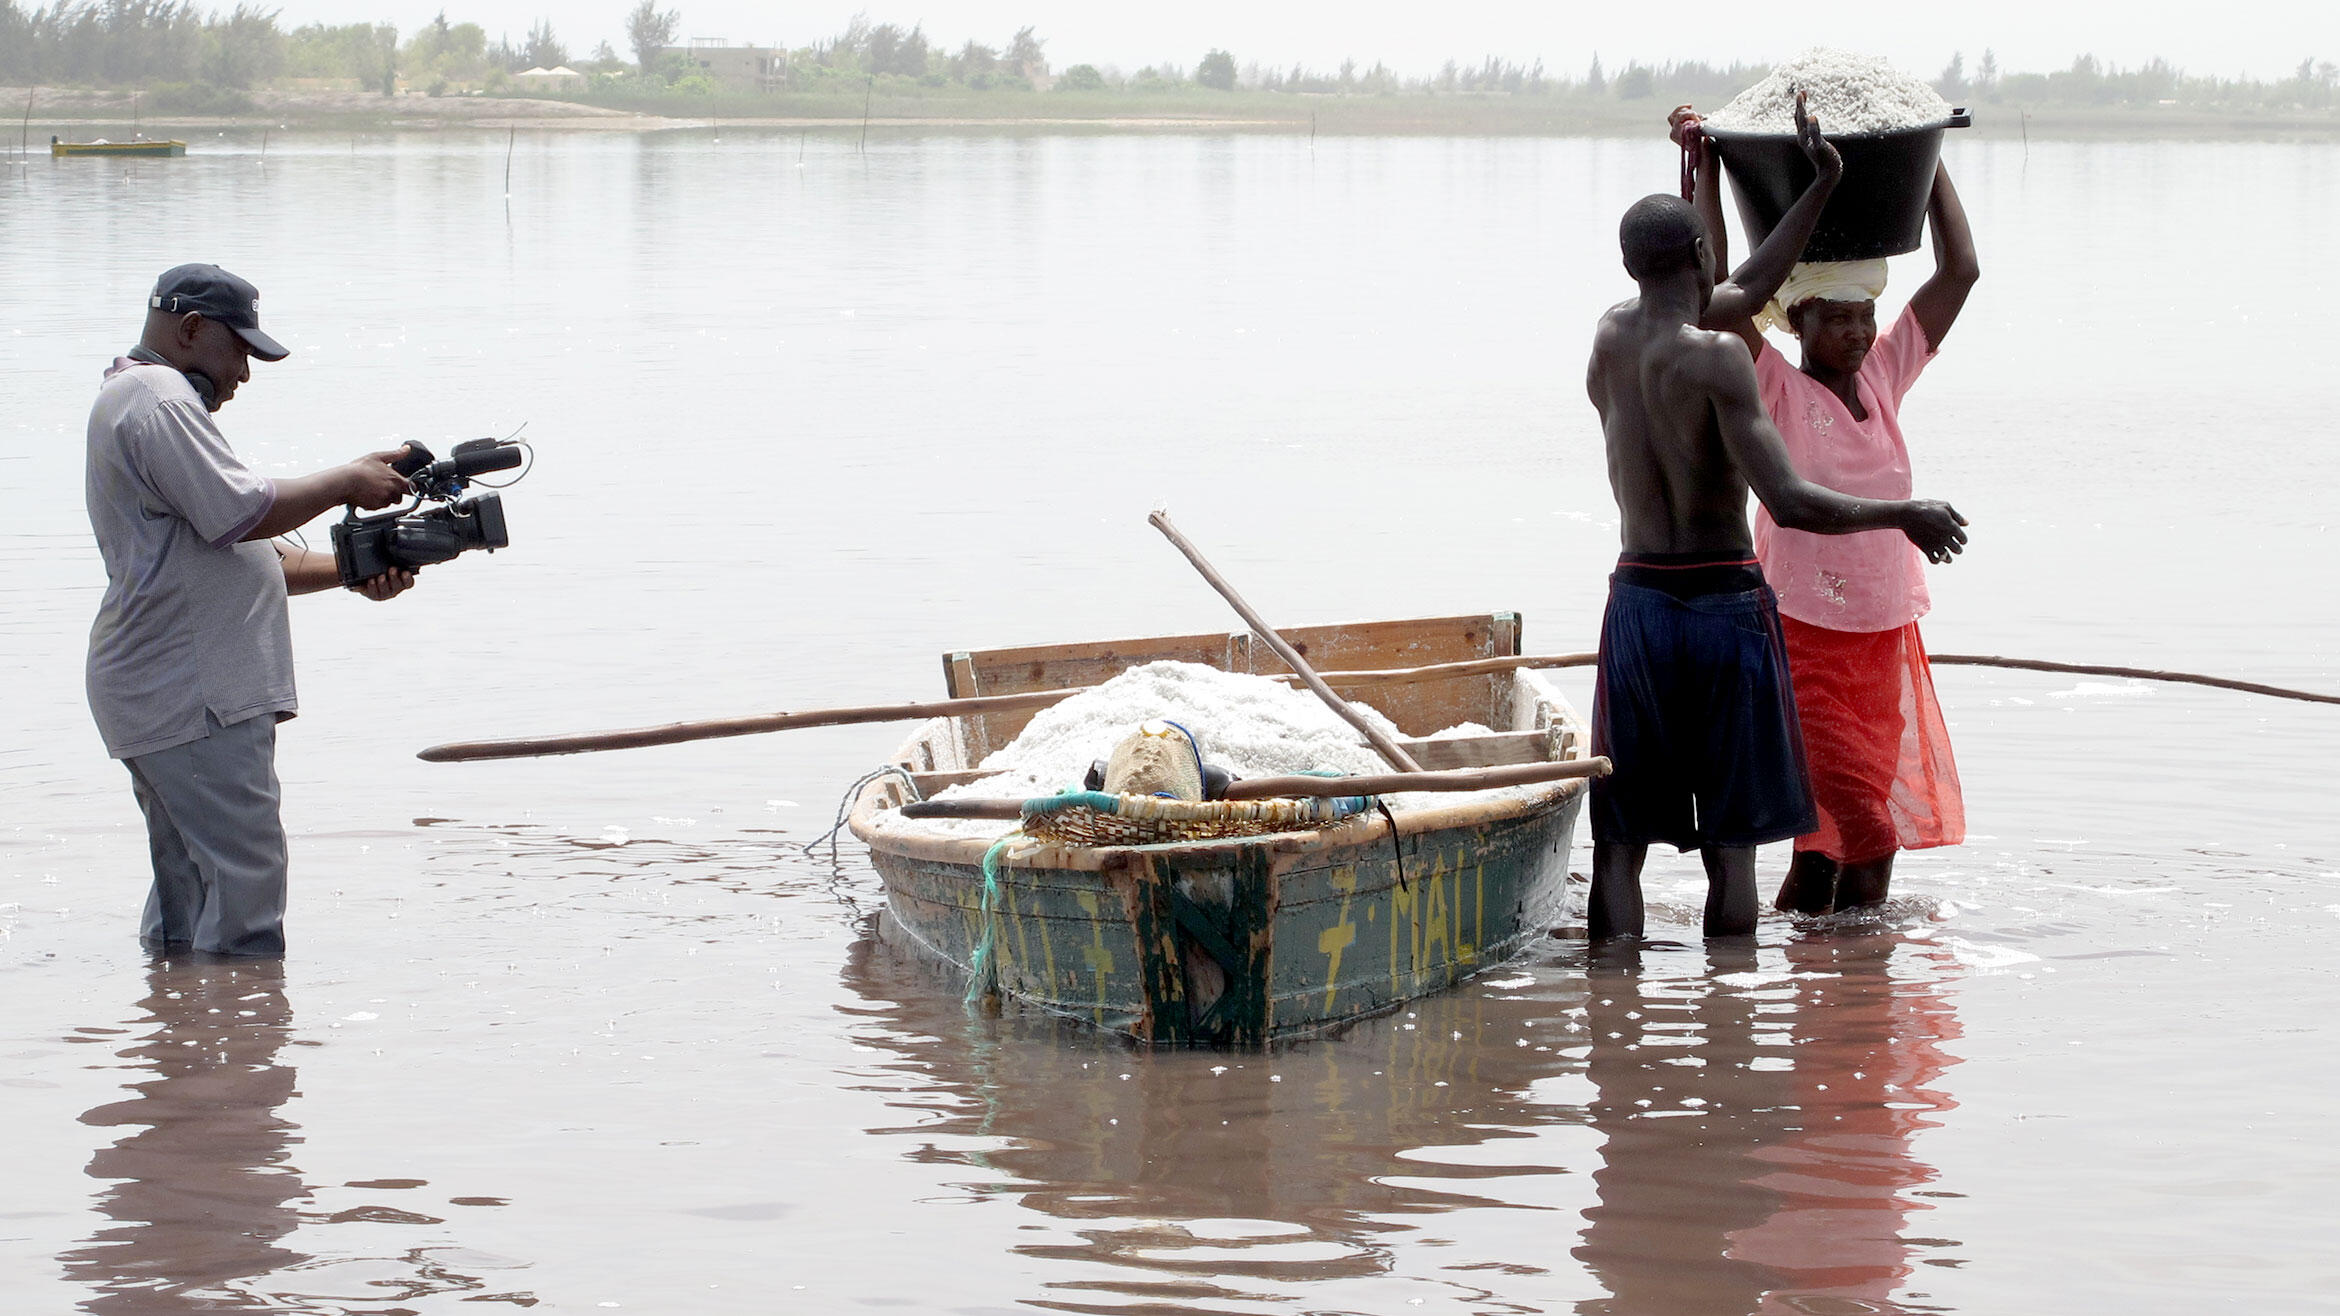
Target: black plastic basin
{"x":1879,"y":209}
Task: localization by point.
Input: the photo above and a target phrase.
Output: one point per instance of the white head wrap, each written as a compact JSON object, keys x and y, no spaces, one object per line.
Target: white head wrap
{"x":1825,"y":280}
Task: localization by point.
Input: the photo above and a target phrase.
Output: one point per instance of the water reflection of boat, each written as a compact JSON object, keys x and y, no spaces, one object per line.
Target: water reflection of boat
{"x":1254,"y":938}
{"x":142,"y":146}
{"x":1731,"y":1134}
{"x":1187,"y":1179}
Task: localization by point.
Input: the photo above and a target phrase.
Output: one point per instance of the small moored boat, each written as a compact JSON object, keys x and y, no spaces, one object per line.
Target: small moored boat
{"x":1247,"y":939}
{"x":141,"y":146}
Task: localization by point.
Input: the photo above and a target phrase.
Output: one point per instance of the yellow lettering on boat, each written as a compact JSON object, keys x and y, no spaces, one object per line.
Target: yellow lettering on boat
{"x":1478,"y":912}
{"x":1437,"y":917}
{"x":1099,"y":959}
{"x":1340,"y":936}
{"x":1403,"y":935}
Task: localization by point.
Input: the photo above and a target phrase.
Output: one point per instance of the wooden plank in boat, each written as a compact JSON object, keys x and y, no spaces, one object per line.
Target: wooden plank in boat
{"x":1068,"y":666}
{"x":1349,"y":646}
{"x":1418,"y":642}
{"x":1421,"y":709}
{"x":930,"y":782}
{"x":1503,"y":747}
{"x":974,"y":732}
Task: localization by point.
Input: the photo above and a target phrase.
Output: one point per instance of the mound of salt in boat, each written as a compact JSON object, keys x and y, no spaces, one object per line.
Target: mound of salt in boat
{"x":1253,"y":726}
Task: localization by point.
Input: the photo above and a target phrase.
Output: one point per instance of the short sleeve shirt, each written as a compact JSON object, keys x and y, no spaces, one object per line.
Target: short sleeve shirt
{"x":193,"y":618}
{"x":1874,"y":580}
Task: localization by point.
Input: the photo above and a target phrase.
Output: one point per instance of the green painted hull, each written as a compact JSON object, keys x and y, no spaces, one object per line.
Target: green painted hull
{"x":1248,"y":941}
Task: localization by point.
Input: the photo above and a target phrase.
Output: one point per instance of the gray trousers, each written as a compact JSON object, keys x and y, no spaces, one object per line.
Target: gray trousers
{"x":217,"y":841}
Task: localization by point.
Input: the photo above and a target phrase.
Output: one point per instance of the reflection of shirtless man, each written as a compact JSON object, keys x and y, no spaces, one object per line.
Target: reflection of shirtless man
{"x":1693,"y":704}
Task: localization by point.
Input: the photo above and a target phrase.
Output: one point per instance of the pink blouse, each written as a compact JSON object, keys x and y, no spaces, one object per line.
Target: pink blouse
{"x":1874,"y":580}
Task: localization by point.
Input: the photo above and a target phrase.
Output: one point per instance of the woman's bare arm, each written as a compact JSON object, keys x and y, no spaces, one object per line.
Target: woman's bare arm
{"x":1939,"y":299}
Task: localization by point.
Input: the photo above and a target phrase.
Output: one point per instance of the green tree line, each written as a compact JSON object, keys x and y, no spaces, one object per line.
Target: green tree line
{"x":2313,"y":85}
{"x":164,"y":43}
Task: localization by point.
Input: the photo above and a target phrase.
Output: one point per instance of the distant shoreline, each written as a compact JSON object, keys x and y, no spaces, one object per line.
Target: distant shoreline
{"x":73,"y":112}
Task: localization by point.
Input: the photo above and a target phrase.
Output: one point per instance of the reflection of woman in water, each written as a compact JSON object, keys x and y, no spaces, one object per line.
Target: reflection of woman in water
{"x":1845,"y":1179}
{"x":1757,"y":1148}
{"x":199,"y":1192}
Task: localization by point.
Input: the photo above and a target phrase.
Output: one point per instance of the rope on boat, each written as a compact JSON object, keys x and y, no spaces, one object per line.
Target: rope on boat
{"x":982,"y":972}
{"x":845,"y":805}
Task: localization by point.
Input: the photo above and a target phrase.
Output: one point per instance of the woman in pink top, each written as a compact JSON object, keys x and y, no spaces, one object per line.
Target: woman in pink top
{"x":1882,"y":772}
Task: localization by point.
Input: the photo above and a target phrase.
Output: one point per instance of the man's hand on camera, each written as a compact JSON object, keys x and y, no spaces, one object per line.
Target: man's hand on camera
{"x":389,"y":585}
{"x":371,"y":483}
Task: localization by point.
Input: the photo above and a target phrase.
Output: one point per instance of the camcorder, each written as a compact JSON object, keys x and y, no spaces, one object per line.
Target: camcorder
{"x":366,"y":546}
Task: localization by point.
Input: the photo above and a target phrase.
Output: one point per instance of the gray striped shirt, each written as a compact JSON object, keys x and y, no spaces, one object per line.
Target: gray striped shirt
{"x":193,"y":619}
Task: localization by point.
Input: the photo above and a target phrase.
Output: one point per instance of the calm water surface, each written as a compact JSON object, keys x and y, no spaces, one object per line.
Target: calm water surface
{"x":599,"y":1033}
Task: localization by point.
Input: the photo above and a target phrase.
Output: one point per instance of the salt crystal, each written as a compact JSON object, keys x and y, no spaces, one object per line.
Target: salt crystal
{"x":1847,"y":92}
{"x":1251,"y":725}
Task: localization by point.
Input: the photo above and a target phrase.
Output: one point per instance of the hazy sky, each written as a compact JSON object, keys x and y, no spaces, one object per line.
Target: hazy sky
{"x":2262,"y":38}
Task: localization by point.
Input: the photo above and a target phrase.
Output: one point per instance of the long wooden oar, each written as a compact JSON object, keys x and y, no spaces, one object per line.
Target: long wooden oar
{"x":1278,"y":788}
{"x":1388,"y":748}
{"x":581,"y":742}
{"x":674,"y":733}
{"x":1550,"y":661}
{"x":2132,"y":673}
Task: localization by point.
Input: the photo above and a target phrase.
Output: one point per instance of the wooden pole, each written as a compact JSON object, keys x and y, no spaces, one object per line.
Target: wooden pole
{"x":674,"y":733}
{"x":1389,"y":749}
{"x":2131,"y":673}
{"x":1478,"y":666}
{"x":1277,"y":788}
{"x":1457,"y":779}
{"x":580,"y":742}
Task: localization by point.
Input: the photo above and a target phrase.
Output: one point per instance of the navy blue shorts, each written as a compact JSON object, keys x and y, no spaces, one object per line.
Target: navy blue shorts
{"x":1696,"y":713}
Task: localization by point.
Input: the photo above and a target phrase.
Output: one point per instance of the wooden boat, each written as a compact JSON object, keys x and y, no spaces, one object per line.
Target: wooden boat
{"x":1252,"y":939}
{"x":142,"y":146}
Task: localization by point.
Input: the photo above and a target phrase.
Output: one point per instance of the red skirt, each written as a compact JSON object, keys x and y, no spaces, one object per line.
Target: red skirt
{"x":1878,"y":752}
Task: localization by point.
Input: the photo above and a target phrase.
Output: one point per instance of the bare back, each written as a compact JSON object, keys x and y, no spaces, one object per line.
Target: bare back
{"x":1653,"y":378}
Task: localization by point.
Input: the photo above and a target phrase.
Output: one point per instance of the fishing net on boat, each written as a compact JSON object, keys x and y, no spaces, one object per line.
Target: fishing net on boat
{"x":1098,"y":818}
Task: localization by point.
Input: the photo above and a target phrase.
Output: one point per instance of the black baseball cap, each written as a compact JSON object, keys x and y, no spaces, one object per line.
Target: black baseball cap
{"x":215,"y":294}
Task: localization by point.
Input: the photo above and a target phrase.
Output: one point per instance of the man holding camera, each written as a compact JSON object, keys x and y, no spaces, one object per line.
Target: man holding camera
{"x":190,"y":658}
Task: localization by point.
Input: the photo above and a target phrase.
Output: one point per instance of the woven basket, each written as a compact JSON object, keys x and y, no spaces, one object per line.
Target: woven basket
{"x":1093,"y":818}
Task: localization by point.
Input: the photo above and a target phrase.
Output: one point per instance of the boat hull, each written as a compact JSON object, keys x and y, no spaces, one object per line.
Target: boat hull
{"x":1250,"y":940}
{"x":1246,"y":941}
{"x":118,"y":148}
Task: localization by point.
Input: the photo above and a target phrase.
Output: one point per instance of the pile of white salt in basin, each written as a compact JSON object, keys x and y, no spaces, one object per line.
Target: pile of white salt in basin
{"x":1250,"y":725}
{"x":1847,"y":92}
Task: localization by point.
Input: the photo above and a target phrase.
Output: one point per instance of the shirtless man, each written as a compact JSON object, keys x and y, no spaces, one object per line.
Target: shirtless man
{"x":1693,"y":704}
